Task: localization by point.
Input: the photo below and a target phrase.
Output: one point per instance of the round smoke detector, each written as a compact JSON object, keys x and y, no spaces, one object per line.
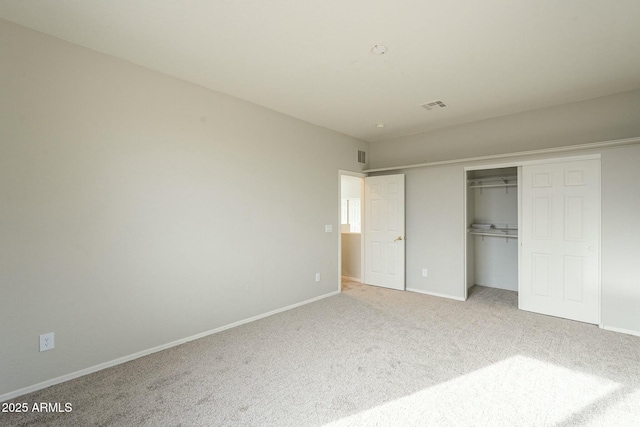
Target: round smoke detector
{"x":379,"y":49}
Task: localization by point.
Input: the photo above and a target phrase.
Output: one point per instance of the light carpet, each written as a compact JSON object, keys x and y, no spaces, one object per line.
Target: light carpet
{"x":370,"y":356}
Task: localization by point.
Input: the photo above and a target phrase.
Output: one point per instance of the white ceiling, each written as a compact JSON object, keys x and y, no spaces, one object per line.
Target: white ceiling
{"x":312,"y":60}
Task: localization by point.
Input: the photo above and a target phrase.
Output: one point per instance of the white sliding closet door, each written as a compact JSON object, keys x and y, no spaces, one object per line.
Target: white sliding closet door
{"x":560,"y":269}
{"x":384,"y":231}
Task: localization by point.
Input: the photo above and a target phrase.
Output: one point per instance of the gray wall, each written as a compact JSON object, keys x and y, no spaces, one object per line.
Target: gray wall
{"x":434,"y":195}
{"x":620,"y":248}
{"x":138,"y":209}
{"x":435,"y":230}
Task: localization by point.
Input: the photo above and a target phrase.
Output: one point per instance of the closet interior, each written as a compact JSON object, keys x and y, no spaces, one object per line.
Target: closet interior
{"x":492,"y":228}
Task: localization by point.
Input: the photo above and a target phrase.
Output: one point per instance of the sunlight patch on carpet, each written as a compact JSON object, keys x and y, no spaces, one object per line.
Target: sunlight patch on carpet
{"x":518,"y":390}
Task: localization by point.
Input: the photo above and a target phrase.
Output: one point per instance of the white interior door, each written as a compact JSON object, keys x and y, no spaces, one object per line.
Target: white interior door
{"x":560,"y":264}
{"x":384,"y":231}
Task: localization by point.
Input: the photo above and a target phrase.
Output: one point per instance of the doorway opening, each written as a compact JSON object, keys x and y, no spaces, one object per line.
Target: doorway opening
{"x":351,"y":248}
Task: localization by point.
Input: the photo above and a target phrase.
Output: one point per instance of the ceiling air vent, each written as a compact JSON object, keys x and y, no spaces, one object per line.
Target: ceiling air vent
{"x":433,"y":105}
{"x":362,"y":157}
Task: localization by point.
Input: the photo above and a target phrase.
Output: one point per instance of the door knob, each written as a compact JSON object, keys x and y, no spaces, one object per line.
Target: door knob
{"x":398,"y":238}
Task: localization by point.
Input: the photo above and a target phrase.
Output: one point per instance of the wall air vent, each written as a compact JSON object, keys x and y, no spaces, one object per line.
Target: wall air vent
{"x":433,"y":105}
{"x":362,"y":157}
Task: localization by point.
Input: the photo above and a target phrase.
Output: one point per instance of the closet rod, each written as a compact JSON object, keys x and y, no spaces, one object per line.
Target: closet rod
{"x":508,"y":236}
{"x":492,"y":185}
{"x":494,"y":178}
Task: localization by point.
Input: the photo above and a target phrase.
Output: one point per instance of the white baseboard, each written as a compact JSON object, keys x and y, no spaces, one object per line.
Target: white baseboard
{"x":435,"y":294}
{"x":109,"y":364}
{"x":620,"y":330}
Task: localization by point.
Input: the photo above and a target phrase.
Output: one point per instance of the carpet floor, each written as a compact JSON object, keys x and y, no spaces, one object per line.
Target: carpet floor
{"x":370,"y":356}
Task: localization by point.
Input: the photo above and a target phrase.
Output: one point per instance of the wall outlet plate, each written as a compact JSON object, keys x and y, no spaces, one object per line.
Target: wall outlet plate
{"x":46,"y":341}
{"x":425,"y":273}
{"x":317,"y":277}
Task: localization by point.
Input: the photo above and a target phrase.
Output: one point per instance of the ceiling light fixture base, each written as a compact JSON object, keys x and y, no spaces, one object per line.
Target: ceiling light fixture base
{"x":379,"y":49}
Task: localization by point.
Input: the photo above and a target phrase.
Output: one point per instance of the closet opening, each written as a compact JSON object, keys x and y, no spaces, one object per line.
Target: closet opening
{"x":492,"y":228}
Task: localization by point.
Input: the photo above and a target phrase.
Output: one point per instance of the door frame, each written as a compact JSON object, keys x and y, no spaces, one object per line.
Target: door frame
{"x":519,"y":164}
{"x":341,"y":173}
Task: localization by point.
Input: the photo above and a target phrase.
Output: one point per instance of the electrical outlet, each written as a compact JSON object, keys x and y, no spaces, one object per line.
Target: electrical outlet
{"x":425,"y":273}
{"x":46,"y":342}
{"x":317,"y":277}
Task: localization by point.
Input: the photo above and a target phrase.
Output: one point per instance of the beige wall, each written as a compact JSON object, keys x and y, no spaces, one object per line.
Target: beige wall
{"x":138,"y":209}
{"x":351,"y":259}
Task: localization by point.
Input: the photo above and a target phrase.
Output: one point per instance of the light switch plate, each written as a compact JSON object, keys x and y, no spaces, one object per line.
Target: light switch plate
{"x":328,"y":228}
